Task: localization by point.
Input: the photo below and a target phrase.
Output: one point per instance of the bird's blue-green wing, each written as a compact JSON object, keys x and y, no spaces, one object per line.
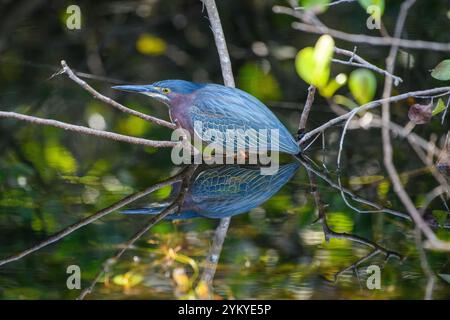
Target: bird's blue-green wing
{"x":229,"y":190}
{"x":223,"y":110}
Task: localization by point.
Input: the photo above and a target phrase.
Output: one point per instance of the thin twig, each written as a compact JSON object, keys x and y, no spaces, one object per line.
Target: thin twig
{"x":328,"y":4}
{"x":360,"y":62}
{"x":87,"y":131}
{"x":175,"y":206}
{"x":445,"y":111}
{"x":353,"y":196}
{"x":434,"y":242}
{"x":372,"y":105}
{"x":306,"y":110}
{"x":359,"y":38}
{"x":375,"y":41}
{"x":213,"y":256}
{"x":425,"y":266}
{"x":88,"y":220}
{"x":66,"y":69}
{"x":221,"y":44}
{"x":342,"y":235}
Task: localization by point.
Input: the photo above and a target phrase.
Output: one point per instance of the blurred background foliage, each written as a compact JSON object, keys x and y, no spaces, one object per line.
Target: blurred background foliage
{"x":50,"y":178}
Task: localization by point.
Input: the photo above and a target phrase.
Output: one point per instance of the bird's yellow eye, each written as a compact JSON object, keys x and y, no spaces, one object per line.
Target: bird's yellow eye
{"x":165,"y":90}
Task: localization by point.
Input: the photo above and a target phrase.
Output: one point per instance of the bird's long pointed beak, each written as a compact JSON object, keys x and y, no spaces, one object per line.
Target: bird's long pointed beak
{"x":148,"y":90}
{"x":137,"y":88}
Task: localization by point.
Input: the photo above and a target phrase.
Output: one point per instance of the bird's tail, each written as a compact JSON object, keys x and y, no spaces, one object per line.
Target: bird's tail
{"x":153,"y":209}
{"x":158,"y":208}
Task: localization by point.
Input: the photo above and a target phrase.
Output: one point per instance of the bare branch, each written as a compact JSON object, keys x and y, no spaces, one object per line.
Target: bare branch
{"x":214,"y":253}
{"x":434,"y":242}
{"x":221,"y":44}
{"x":228,"y":79}
{"x":88,"y":220}
{"x":353,"y":196}
{"x":375,"y":41}
{"x":360,"y":62}
{"x":66,"y":69}
{"x":372,"y":105}
{"x":175,"y":206}
{"x":342,"y":235}
{"x":306,"y":26}
{"x":87,"y":131}
{"x":306,"y":110}
{"x":328,"y":4}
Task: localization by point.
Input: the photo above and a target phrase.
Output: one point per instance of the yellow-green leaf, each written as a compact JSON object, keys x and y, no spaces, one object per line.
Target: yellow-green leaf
{"x":313,"y":64}
{"x":440,"y":106}
{"x":367,"y":3}
{"x":363,"y":85}
{"x":344,"y":101}
{"x":304,"y":64}
{"x":329,"y":90}
{"x":59,"y":158}
{"x":263,"y":85}
{"x":150,"y":45}
{"x":318,"y":6}
{"x":442,"y":71}
{"x":127,"y":280}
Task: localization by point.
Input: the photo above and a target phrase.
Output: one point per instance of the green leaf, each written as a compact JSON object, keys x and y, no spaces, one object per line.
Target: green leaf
{"x":446,"y":277}
{"x":363,"y":85}
{"x":442,"y":71}
{"x":367,"y":3}
{"x":304,"y":64}
{"x":440,"y":106}
{"x":128,"y":279}
{"x":318,"y":6}
{"x":313,"y":64}
{"x":344,"y":101}
{"x":440,"y":216}
{"x":256,"y":81}
{"x":334,"y":85}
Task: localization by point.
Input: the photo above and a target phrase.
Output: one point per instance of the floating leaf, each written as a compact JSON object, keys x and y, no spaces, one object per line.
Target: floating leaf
{"x":420,"y":113}
{"x":368,"y":3}
{"x":313,"y":64}
{"x":182,"y":281}
{"x":150,"y":45}
{"x":202,"y":290}
{"x":440,"y":106}
{"x":127,"y":280}
{"x":442,"y":71}
{"x":362,"y":84}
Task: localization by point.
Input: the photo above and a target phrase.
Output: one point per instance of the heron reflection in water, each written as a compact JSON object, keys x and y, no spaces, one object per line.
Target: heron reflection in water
{"x":224,"y":191}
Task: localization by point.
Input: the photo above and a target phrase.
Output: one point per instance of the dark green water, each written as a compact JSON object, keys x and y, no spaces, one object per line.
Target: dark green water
{"x":50,"y":179}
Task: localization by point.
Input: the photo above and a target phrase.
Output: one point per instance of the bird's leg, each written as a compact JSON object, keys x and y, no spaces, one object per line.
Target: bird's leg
{"x":241,"y":156}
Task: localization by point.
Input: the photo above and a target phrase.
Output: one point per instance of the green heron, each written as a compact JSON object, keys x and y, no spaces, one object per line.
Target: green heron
{"x":224,"y":191}
{"x":218,"y":108}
